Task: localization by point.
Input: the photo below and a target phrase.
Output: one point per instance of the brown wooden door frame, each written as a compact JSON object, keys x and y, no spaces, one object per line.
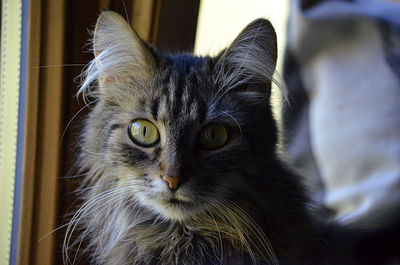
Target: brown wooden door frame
{"x":44,"y":121}
{"x":57,"y":36}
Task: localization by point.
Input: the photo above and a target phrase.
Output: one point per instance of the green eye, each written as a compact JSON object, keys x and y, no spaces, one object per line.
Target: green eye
{"x":143,"y":133}
{"x":213,"y":136}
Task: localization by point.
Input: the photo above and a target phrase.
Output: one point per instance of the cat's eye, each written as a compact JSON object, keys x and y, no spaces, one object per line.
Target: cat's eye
{"x":143,"y":133}
{"x":213,"y":136}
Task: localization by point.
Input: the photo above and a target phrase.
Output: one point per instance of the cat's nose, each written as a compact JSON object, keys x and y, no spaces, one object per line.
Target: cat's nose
{"x":173,"y":182}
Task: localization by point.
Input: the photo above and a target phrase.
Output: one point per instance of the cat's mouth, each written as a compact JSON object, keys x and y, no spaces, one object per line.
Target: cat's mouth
{"x":178,"y":202}
{"x":175,"y":201}
{"x":176,"y":207}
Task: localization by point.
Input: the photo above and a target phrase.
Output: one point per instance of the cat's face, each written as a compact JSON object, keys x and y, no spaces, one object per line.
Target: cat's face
{"x":179,"y":134}
{"x":193,"y":138}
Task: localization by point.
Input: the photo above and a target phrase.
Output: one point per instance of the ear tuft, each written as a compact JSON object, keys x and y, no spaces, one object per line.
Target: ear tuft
{"x":250,"y":60}
{"x":121,"y":56}
{"x":111,"y":29}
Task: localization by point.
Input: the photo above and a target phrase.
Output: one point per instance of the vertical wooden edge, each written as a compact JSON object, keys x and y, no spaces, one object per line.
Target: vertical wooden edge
{"x":50,"y":121}
{"x":104,"y":4}
{"x":142,"y":18}
{"x":156,"y":21}
{"x":31,"y":124}
{"x":44,"y":119}
{"x":175,"y":25}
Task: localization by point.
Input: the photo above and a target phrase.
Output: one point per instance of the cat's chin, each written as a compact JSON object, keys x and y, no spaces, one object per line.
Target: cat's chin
{"x":176,"y":210}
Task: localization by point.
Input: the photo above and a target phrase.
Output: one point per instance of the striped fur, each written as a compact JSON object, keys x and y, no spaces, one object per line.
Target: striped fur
{"x":239,"y":205}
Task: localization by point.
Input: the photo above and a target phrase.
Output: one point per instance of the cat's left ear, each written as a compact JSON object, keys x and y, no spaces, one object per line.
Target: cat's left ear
{"x":250,"y":61}
{"x":120,"y":54}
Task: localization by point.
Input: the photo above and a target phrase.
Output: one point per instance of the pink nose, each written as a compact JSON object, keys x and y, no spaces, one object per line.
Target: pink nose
{"x":173,"y":182}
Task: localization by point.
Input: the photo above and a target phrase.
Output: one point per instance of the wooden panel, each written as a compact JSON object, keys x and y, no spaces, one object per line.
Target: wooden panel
{"x":175,"y":29}
{"x":156,"y":21}
{"x":50,"y":125}
{"x":43,"y":131}
{"x":32,"y":96}
{"x":170,"y":25}
{"x":140,"y":14}
{"x":50,"y":128}
{"x":142,"y":18}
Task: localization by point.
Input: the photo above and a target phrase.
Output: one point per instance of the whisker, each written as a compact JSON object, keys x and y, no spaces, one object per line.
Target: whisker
{"x":220,"y":238}
{"x":235,"y":120}
{"x":83,"y":211}
{"x":76,"y":114}
{"x":58,"y":65}
{"x":255,"y":229}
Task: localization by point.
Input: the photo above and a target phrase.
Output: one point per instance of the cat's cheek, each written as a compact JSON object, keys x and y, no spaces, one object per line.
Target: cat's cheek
{"x":159,"y":186}
{"x":150,"y":204}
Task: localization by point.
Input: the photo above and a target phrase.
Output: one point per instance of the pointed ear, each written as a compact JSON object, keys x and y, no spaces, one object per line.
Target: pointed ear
{"x":250,"y":61}
{"x":120,"y":55}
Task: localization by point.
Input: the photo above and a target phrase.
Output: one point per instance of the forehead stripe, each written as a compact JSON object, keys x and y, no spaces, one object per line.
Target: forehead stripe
{"x":177,"y":100}
{"x":155,"y":104}
{"x":202,"y":110}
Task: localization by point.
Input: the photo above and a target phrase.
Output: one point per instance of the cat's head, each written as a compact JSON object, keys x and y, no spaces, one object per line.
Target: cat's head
{"x":176,"y":133}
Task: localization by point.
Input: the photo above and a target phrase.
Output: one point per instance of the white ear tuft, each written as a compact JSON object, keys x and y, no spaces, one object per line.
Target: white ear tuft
{"x":250,"y":60}
{"x":120,"y":55}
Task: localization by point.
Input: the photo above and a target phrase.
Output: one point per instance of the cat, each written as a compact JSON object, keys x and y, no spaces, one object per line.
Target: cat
{"x":180,"y":155}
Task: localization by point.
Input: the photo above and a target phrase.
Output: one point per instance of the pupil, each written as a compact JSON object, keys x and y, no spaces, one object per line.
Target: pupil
{"x":213,"y":134}
{"x":144,"y":131}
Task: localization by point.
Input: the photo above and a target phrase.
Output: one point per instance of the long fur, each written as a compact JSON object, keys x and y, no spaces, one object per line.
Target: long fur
{"x":239,"y":205}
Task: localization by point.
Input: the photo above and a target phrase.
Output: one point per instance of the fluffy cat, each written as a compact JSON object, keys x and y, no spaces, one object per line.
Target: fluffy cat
{"x":180,"y":155}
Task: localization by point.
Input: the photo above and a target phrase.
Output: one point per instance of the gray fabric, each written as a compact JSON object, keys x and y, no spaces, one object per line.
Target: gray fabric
{"x":342,"y":128}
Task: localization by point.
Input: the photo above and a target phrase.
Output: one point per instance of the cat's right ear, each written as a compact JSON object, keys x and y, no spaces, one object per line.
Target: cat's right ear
{"x":250,"y":60}
{"x":121,"y":57}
